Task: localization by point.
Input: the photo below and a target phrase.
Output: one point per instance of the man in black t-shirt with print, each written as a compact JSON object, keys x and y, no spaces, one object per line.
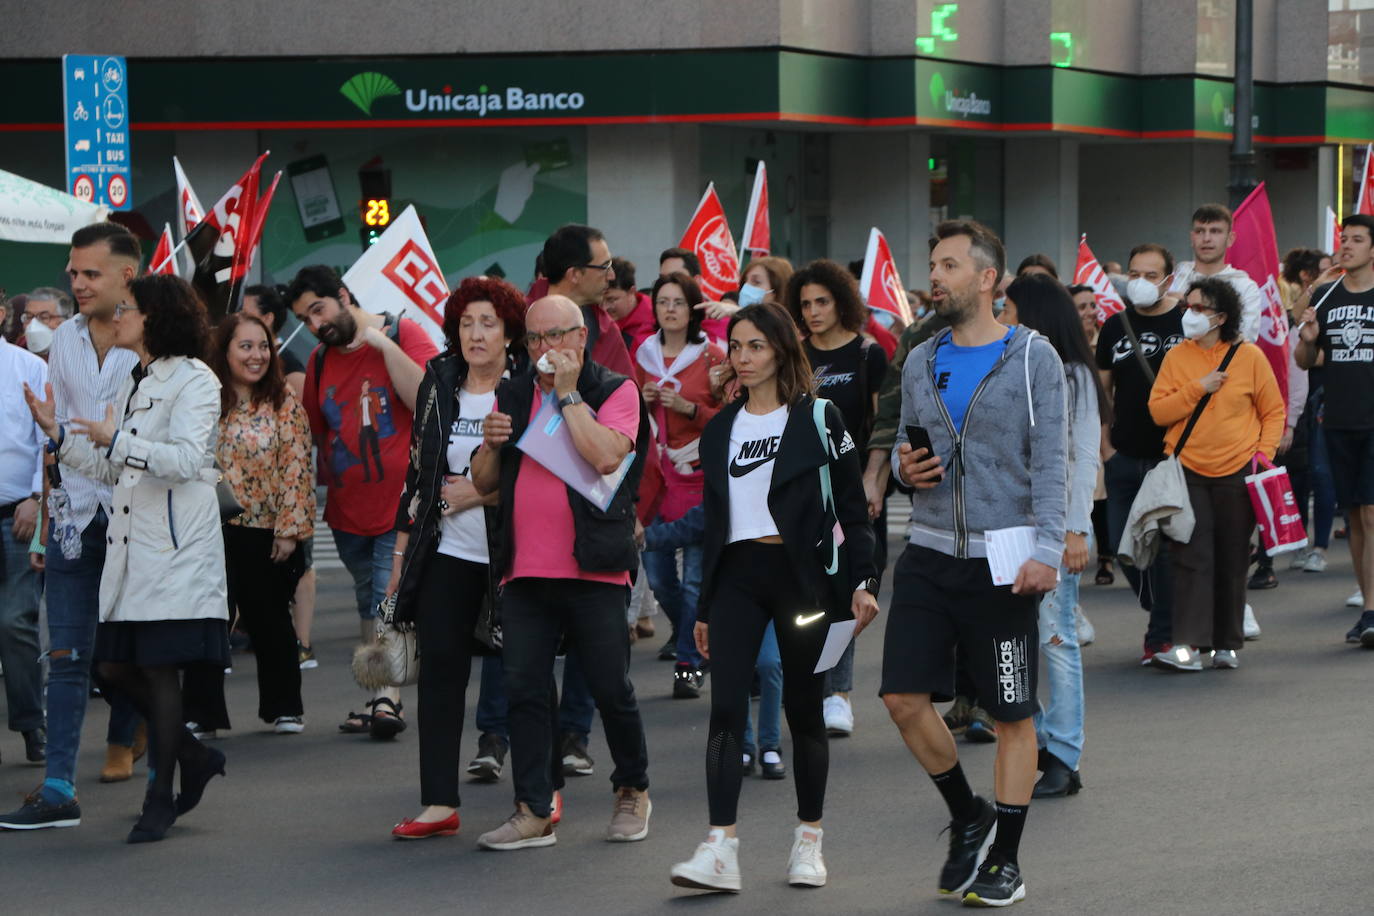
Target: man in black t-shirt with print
{"x":1135,"y":443}
{"x":1340,"y":326}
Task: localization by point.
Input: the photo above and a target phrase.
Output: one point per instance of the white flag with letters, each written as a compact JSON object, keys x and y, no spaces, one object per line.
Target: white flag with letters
{"x":399,"y":274}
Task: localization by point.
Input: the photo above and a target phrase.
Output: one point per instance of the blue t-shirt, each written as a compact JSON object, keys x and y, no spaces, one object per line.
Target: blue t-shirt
{"x":958,"y":370}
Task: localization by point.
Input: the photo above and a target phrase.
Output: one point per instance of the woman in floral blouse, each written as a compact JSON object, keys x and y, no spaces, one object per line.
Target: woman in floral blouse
{"x":264,"y":452}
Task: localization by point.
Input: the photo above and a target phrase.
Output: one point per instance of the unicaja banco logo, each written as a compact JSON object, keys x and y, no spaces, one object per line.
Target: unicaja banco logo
{"x":365,"y":88}
{"x":956,"y":102}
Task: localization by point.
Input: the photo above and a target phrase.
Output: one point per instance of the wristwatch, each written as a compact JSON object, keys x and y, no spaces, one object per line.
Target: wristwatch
{"x":869,"y":585}
{"x":570,"y":400}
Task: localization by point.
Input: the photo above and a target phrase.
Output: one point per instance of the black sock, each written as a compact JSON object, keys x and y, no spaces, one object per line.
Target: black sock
{"x":1011,"y":820}
{"x":956,"y":792}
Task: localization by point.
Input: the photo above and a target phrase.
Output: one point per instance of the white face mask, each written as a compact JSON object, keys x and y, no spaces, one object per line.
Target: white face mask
{"x":1142,"y":293}
{"x":1195,"y":324}
{"x":37,"y":336}
{"x":749,"y":294}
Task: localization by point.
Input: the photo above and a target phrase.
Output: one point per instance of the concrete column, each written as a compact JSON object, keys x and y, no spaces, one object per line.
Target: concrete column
{"x":643,"y":182}
{"x":1041,"y":195}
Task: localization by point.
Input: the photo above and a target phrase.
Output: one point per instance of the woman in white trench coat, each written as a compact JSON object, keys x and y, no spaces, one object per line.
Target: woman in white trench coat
{"x":162,"y":590}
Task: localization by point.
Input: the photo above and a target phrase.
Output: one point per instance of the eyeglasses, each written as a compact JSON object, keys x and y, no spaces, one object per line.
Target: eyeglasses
{"x":124,"y":307}
{"x":553,"y":337}
{"x":671,"y":303}
{"x":604,"y":268}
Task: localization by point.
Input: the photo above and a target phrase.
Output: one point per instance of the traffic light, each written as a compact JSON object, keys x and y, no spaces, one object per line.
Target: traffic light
{"x":374,"y":206}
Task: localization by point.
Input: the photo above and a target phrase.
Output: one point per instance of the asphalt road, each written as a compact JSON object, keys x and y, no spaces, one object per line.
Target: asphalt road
{"x":1225,"y":792}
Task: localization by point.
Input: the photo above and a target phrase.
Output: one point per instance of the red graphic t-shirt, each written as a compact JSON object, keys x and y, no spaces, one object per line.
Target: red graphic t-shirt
{"x":362,"y":430}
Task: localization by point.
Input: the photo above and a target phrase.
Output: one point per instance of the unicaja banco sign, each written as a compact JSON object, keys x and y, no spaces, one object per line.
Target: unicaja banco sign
{"x":366,"y":88}
{"x":954,"y":101}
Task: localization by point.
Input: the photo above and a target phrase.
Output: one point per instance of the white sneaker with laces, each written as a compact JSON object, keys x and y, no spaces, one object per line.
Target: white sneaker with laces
{"x":1355,"y":600}
{"x":1315,"y":562}
{"x":713,"y":867}
{"x":839,"y":716}
{"x":288,"y":725}
{"x":806,"y":865}
{"x":1250,"y":627}
{"x":1299,"y":558}
{"x":1225,"y":658}
{"x":1087,"y":633}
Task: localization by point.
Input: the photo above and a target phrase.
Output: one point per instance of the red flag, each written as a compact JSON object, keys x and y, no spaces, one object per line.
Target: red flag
{"x":162,"y":261}
{"x":1331,"y":243}
{"x":881,"y":286}
{"x":1256,"y":251}
{"x":1365,"y":202}
{"x":188,"y":204}
{"x":1090,"y":273}
{"x":214,"y":241}
{"x":253,"y":238}
{"x":756,"y":218}
{"x":708,"y":237}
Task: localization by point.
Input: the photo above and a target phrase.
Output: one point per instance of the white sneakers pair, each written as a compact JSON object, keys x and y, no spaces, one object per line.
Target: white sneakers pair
{"x":839,"y":716}
{"x":715,"y":864}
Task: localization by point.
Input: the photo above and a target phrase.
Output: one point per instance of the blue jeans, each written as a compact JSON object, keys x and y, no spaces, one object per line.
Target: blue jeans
{"x":368,"y":560}
{"x":769,"y":667}
{"x":677,"y":596}
{"x":840,"y":679}
{"x":1153,"y":585}
{"x":19,"y":649}
{"x":574,"y":709}
{"x":73,"y":612}
{"x":1059,"y":726}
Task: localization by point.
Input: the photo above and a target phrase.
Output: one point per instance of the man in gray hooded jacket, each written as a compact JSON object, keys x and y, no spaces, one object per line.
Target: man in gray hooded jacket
{"x":992,"y":401}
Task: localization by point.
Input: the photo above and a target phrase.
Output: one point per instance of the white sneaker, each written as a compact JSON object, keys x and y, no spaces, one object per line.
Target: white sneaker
{"x":806,"y":865}
{"x":1087,"y":633}
{"x":1300,"y":558}
{"x":1250,"y":627}
{"x":839,"y":716}
{"x":713,"y":867}
{"x":288,"y":725}
{"x":1225,"y":658}
{"x":1179,"y":658}
{"x":1355,"y":600}
{"x":1315,"y":562}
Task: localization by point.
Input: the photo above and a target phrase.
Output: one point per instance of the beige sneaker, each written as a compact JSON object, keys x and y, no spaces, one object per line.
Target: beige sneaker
{"x":630,"y":820}
{"x":522,"y":831}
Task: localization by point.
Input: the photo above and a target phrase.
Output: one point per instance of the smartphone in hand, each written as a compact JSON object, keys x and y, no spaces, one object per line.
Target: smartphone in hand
{"x":919,"y":438}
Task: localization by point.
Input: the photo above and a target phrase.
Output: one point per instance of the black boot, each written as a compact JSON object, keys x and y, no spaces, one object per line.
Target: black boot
{"x":159,"y":813}
{"x":195,"y":775}
{"x":1056,"y":779}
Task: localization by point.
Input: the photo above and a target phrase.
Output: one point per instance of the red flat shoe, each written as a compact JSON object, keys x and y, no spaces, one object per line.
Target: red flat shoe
{"x":556,"y":812}
{"x":411,"y":829}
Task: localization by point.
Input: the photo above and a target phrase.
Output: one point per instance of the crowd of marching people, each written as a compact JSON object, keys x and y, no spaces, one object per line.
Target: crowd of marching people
{"x":606,"y":444}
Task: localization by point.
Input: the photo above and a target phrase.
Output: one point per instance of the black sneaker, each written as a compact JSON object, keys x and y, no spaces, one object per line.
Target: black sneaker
{"x":687,"y":681}
{"x":1365,"y":628}
{"x":490,"y":759}
{"x":771,"y":765}
{"x":576,"y":760}
{"x":38,"y":813}
{"x":668,"y":653}
{"x":1263,"y":578}
{"x":968,"y":846}
{"x":36,"y":745}
{"x":998,"y":884}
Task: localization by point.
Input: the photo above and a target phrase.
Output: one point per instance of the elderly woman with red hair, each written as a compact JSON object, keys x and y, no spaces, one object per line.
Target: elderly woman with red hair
{"x":440,"y":574}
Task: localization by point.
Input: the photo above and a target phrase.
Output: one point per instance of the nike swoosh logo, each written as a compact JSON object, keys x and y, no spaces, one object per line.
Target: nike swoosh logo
{"x":739,"y":470}
{"x":804,"y":619}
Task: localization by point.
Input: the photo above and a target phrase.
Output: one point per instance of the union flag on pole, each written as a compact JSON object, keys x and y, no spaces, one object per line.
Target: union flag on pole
{"x":881,"y":285}
{"x":188,"y":204}
{"x":253,"y":239}
{"x":1331,"y":241}
{"x":1365,"y":202}
{"x":708,"y":237}
{"x":400,"y":274}
{"x":214,"y":242}
{"x":756,"y":234}
{"x":1256,"y":251}
{"x":1090,"y":273}
{"x":162,"y":261}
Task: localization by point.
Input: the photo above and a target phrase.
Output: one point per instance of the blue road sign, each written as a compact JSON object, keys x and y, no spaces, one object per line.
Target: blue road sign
{"x":95,"y":102}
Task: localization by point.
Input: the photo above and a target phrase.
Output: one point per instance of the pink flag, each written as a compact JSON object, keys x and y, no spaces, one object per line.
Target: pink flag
{"x":708,"y":237}
{"x":1090,"y":273}
{"x":162,"y":261}
{"x":1365,"y":202}
{"x":756,"y":219}
{"x":1256,"y":251}
{"x":1331,"y":242}
{"x":881,"y":286}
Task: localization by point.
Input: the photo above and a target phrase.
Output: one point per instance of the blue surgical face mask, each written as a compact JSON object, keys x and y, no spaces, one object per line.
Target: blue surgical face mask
{"x":749,"y":294}
{"x":998,"y":304}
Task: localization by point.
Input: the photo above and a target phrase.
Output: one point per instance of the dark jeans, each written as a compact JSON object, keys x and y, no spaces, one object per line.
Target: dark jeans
{"x":19,"y":631}
{"x":575,"y":710}
{"x":1209,"y":571}
{"x":450,"y":595}
{"x":536,"y":614}
{"x":1152,"y":585}
{"x":261,"y":591}
{"x":1314,"y":481}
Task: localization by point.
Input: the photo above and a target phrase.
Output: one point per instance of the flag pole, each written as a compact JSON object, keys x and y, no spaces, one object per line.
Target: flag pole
{"x":180,"y":245}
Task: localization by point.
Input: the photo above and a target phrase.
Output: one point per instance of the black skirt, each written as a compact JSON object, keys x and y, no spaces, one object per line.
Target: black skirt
{"x":163,"y":642}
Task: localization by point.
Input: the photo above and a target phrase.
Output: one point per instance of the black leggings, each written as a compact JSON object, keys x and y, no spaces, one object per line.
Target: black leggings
{"x":757,"y":584}
{"x":156,"y":693}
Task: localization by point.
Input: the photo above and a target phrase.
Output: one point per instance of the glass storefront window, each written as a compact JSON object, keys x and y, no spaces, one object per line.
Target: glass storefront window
{"x":1350,"y":41}
{"x":1216,"y":37}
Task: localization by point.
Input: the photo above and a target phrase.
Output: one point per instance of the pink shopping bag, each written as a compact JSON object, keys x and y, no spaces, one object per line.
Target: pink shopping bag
{"x":1276,"y":511}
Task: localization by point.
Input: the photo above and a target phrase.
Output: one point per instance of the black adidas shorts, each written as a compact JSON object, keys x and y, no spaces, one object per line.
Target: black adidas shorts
{"x":940,"y":604}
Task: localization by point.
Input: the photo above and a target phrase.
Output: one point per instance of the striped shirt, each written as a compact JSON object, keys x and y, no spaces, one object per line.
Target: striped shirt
{"x":82,"y":385}
{"x":21,"y":447}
